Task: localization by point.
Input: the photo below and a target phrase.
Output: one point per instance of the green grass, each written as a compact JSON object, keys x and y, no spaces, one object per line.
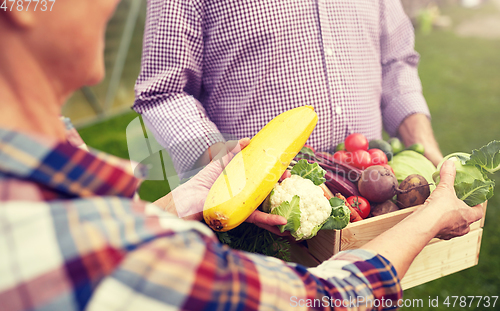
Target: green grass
{"x":109,"y":136}
{"x":460,"y":81}
{"x":462,"y":87}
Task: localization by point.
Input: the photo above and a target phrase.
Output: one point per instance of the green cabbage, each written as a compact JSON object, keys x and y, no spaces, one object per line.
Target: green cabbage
{"x":409,"y":162}
{"x":472,"y":184}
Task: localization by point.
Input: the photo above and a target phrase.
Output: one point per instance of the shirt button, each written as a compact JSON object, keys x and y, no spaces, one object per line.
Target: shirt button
{"x":338,"y":110}
{"x":329,"y":51}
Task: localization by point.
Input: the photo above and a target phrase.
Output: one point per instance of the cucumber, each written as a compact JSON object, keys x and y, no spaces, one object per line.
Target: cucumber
{"x":340,"y":147}
{"x":396,"y":144}
{"x":417,"y":147}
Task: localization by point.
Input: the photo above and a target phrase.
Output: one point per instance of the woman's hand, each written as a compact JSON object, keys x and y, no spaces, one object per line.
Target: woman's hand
{"x":454,"y":215}
{"x":188,"y":199}
{"x":442,"y":215}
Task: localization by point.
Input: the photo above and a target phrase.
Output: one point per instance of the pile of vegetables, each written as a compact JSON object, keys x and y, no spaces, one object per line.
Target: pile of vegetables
{"x":252,"y":173}
{"x":317,"y":192}
{"x":361,"y":171}
{"x":323,"y":191}
{"x":306,"y":206}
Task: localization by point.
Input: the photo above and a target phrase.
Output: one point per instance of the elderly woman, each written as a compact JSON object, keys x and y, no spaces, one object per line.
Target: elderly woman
{"x":72,"y":239}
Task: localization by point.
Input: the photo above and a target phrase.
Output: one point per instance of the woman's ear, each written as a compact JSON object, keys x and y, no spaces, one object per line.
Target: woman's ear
{"x":18,"y":19}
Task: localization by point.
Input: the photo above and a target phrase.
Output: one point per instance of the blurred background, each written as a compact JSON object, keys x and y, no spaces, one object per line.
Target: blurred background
{"x":459,"y":44}
{"x":115,"y":94}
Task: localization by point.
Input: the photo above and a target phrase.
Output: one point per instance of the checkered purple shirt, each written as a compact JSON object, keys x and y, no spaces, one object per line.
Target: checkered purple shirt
{"x":212,"y":67}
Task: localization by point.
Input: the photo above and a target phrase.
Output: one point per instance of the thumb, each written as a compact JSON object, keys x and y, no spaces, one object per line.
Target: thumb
{"x":230,"y":149}
{"x":233,"y":146}
{"x":447,"y":173}
{"x":236,"y":146}
{"x":244,"y":142}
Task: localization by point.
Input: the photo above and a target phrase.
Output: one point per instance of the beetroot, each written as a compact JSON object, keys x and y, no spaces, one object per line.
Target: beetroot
{"x":383,"y":208}
{"x":418,"y":191}
{"x":377,"y":184}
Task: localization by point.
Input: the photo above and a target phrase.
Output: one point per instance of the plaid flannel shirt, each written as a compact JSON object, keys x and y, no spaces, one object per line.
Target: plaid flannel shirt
{"x":215,"y":70}
{"x":71,"y":239}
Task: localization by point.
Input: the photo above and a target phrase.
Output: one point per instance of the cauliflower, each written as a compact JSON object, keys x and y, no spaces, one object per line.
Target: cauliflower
{"x":313,"y":206}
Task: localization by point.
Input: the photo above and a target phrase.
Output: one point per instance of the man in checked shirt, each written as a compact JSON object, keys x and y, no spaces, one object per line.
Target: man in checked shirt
{"x":72,"y":239}
{"x":214,"y":68}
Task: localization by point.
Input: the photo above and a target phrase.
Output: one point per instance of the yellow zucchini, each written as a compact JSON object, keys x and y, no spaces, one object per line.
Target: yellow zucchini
{"x":253,"y":172}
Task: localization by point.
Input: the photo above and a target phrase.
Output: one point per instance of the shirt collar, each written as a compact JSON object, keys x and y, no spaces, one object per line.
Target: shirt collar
{"x":64,"y":168}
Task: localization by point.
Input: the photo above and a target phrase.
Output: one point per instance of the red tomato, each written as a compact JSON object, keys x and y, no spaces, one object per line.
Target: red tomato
{"x":361,"y":205}
{"x":355,"y":142}
{"x":341,"y":156}
{"x":378,"y":156}
{"x":285,"y":175}
{"x":387,"y":166}
{"x":361,"y":159}
{"x":348,"y":159}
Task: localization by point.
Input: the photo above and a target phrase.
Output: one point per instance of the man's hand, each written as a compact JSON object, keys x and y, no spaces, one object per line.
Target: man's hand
{"x":417,"y":128}
{"x":268,"y":222}
{"x":188,"y":199}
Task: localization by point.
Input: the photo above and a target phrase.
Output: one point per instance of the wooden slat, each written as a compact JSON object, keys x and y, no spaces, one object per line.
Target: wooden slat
{"x":300,"y":254}
{"x":359,"y":233}
{"x":442,"y":258}
{"x":323,"y":246}
{"x":437,"y":259}
{"x":485,"y":204}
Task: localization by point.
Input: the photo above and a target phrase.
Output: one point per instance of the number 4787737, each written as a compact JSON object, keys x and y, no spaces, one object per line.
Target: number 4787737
{"x":26,"y":5}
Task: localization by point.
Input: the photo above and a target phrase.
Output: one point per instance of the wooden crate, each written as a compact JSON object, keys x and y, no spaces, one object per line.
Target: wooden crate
{"x":437,"y":259}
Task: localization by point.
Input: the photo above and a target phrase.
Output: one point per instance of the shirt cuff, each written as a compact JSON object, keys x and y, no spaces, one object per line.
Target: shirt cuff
{"x":402,"y":107}
{"x":369,"y":275}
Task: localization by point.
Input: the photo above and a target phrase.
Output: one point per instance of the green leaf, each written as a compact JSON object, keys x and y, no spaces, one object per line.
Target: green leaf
{"x":224,"y":237}
{"x":476,"y":192}
{"x":306,"y":153}
{"x":472,"y":184}
{"x":336,"y":202}
{"x":339,"y":218}
{"x":311,"y":171}
{"x":291,"y":211}
{"x":488,"y":157}
{"x":250,"y":238}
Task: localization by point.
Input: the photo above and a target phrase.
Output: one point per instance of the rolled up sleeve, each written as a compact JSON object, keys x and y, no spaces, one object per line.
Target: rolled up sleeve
{"x":401,"y":86}
{"x":170,"y":81}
